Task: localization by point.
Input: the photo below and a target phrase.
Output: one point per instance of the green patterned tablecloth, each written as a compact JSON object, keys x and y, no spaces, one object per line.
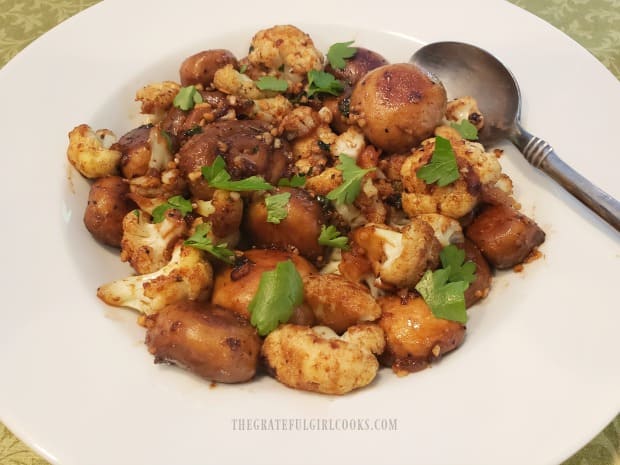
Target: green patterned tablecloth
{"x":595,"y":24}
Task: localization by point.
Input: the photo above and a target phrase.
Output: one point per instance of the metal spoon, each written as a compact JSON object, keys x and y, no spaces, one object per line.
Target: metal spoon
{"x":465,"y":70}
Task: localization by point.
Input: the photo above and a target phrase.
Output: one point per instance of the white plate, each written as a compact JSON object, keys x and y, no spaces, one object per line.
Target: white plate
{"x":536,"y":379}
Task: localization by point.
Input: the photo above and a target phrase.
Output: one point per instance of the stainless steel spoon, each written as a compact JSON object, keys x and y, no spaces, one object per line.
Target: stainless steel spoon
{"x":466,"y":69}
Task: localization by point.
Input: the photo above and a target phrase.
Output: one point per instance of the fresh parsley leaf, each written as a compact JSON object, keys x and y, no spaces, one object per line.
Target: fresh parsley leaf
{"x":322,"y":82}
{"x":338,"y":52}
{"x":243,"y":68}
{"x":443,"y":289}
{"x":187,"y":98}
{"x":445,"y":299}
{"x":177,"y":202}
{"x":200,"y":240}
{"x":352,"y":176}
{"x":442,"y":167}
{"x":279,"y":292}
{"x":277,"y":207}
{"x":218,"y":178}
{"x":272,"y":83}
{"x":331,"y":237}
{"x":296,"y":181}
{"x":454,"y":258}
{"x":466,"y":130}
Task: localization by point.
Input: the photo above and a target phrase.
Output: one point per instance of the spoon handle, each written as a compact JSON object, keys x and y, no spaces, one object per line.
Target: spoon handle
{"x":541,"y":155}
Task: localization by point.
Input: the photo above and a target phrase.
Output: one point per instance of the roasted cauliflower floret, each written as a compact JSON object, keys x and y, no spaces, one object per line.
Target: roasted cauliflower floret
{"x":148,"y":246}
{"x":399,"y":258}
{"x":230,"y":81}
{"x":157,"y":97}
{"x":287,"y":52}
{"x":339,"y":303}
{"x":454,"y":200}
{"x":351,"y":143}
{"x":186,"y":277}
{"x":465,"y":108}
{"x":90,"y":153}
{"x":224,"y":212}
{"x":316,"y":359}
{"x":447,"y":230}
{"x":272,"y":110}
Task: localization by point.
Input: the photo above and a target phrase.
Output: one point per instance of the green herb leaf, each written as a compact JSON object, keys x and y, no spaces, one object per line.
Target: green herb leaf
{"x":453,"y":258}
{"x":338,"y":52}
{"x":466,"y":130}
{"x":279,"y":292}
{"x":272,"y":83}
{"x":243,"y":68}
{"x":200,"y":240}
{"x":331,"y":237}
{"x":352,"y":176}
{"x":177,"y":202}
{"x":218,"y":178}
{"x":443,"y":289}
{"x":277,"y":207}
{"x":445,"y":299}
{"x":320,"y":81}
{"x":442,"y":167}
{"x":187,"y":98}
{"x":296,"y":181}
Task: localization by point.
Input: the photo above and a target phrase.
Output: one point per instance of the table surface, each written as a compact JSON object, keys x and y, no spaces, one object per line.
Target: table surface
{"x":595,"y":24}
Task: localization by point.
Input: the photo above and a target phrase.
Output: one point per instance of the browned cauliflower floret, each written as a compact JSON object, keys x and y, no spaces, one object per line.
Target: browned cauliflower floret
{"x":186,"y":277}
{"x":148,"y":246}
{"x":316,"y":359}
{"x":150,"y":191}
{"x":272,"y":110}
{"x":287,"y":52}
{"x":339,"y":303}
{"x":89,"y":152}
{"x":447,"y":230}
{"x":230,"y":81}
{"x":399,"y":258}
{"x":454,"y":200}
{"x":224,"y":212}
{"x":465,"y":108}
{"x":157,"y":97}
{"x":350,"y":143}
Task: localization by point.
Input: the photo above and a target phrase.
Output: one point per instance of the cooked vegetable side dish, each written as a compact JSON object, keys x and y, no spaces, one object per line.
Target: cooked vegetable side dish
{"x":304,"y":214}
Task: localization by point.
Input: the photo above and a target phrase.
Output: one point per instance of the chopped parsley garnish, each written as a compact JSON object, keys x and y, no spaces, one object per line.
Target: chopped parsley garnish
{"x":296,"y":181}
{"x":352,"y":176}
{"x":177,"y":203}
{"x":279,"y":292}
{"x":466,"y":130}
{"x":443,"y":289}
{"x":218,"y":178}
{"x":331,"y":237}
{"x":272,"y":83}
{"x":277,"y":207}
{"x":187,"y":98}
{"x":340,"y":51}
{"x":322,"y":82}
{"x":200,"y":240}
{"x":442,"y":167}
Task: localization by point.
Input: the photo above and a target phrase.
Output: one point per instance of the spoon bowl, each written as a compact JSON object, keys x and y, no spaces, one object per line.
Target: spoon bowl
{"x":467,"y":70}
